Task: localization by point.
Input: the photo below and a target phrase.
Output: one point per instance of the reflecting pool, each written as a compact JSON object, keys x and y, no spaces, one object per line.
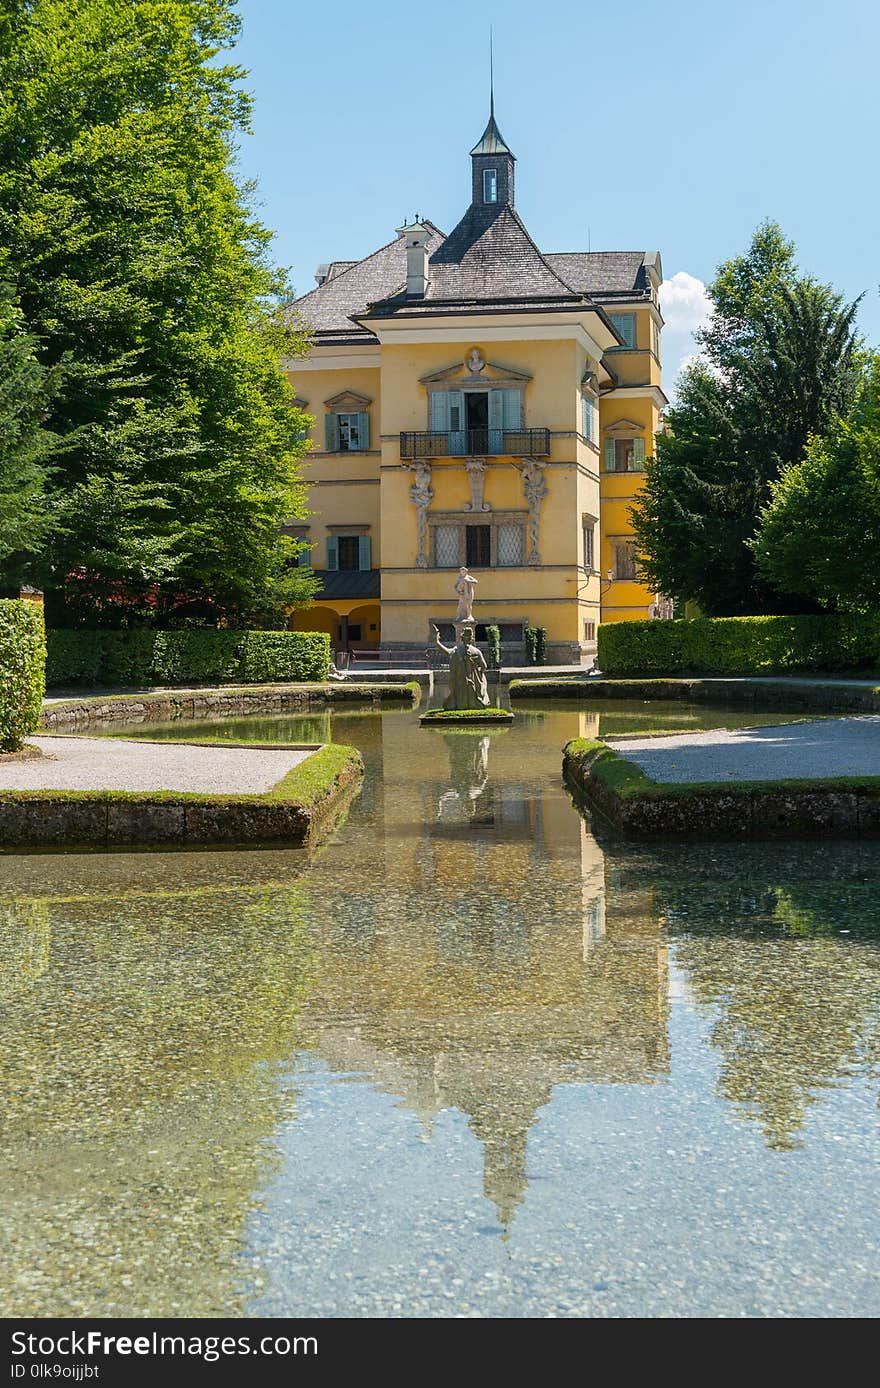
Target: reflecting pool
{"x":469,"y":1059}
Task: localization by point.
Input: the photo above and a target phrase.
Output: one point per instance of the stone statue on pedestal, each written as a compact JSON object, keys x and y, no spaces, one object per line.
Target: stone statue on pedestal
{"x":465,"y":587}
{"x":467,"y":672}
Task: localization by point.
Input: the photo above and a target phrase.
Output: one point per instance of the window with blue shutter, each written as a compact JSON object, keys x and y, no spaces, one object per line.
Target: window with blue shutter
{"x":353,"y":431}
{"x":590,"y":419}
{"x":496,"y":421}
{"x":625,"y":323}
{"x":456,"y":425}
{"x":331,"y":433}
{"x":610,"y":458}
{"x":638,"y":457}
{"x":364,"y":552}
{"x":512,"y":410}
{"x":332,"y":552}
{"x":439,"y":411}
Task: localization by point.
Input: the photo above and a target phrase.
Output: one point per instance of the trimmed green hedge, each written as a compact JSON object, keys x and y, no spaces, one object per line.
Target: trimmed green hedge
{"x":198,"y":656}
{"x":740,"y":646}
{"x":22,"y":671}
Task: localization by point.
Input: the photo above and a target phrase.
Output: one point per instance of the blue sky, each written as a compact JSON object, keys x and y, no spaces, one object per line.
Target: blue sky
{"x":676,"y":127}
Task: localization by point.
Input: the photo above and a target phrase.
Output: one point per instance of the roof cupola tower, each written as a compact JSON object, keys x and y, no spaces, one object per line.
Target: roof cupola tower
{"x":492,"y":165}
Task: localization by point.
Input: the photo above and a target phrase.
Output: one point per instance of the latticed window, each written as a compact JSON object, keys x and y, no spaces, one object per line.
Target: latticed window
{"x":446,"y":550}
{"x":589,"y":545}
{"x":510,"y":545}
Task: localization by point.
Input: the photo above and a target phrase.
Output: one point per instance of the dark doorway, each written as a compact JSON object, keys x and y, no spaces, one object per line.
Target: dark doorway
{"x":477,"y":420}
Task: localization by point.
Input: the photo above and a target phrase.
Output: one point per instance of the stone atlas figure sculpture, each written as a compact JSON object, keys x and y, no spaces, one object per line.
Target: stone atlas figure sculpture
{"x":421,"y":494}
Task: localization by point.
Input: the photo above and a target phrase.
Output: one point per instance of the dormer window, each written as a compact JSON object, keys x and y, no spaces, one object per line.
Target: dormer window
{"x":490,"y":185}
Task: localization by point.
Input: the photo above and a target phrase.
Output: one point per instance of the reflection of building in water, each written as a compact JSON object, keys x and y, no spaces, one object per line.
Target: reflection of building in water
{"x":796,"y":1000}
{"x":476,"y":965}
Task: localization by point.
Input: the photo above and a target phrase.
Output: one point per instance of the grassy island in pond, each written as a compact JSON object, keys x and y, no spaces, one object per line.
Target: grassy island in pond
{"x":443,"y":717}
{"x":607,"y":781}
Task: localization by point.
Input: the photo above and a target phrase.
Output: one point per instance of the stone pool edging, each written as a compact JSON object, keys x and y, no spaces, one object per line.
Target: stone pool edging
{"x":758,"y":692}
{"x":168,"y":705}
{"x":603,"y":780}
{"x":299,"y":811}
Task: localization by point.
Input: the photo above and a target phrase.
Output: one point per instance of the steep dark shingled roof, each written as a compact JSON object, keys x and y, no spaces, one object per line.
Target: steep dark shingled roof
{"x":600,"y":272}
{"x":490,"y":255}
{"x":488,"y":258}
{"x":329,"y":308}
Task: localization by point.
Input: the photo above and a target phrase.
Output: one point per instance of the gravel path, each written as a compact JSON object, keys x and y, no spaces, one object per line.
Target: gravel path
{"x":103,"y":763}
{"x":791,"y":751}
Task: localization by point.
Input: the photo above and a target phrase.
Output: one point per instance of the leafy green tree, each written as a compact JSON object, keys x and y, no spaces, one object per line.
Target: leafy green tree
{"x":139,"y":264}
{"x":820,"y":531}
{"x":25,"y":444}
{"x":778,"y":363}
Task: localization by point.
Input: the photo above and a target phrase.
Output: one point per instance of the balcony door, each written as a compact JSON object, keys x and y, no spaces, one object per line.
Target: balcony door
{"x":475,"y":420}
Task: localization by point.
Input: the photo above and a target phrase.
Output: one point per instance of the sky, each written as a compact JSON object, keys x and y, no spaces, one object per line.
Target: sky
{"x":676,"y":127}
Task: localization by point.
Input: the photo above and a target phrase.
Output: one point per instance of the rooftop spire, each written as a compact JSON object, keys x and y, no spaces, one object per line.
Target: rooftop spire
{"x":491,"y":75}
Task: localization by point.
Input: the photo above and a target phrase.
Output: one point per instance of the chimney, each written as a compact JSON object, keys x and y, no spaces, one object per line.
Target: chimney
{"x":416,"y":238}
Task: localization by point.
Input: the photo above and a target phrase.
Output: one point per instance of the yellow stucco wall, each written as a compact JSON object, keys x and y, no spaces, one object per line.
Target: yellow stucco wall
{"x":622,"y":599}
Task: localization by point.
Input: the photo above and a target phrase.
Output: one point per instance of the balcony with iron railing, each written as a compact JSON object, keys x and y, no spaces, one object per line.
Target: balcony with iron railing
{"x":480,"y":443}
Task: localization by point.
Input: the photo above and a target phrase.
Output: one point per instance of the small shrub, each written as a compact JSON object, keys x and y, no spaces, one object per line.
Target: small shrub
{"x":22,"y":671}
{"x":536,"y":645}
{"x":493,"y":644}
{"x":284,"y":655}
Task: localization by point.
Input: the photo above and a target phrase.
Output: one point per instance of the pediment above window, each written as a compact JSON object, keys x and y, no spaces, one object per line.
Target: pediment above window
{"x":625,"y":428}
{"x":348,"y":401}
{"x":489,"y":373}
{"x":300,"y":403}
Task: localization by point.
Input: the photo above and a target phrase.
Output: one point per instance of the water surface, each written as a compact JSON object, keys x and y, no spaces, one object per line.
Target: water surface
{"x":469,"y":1059}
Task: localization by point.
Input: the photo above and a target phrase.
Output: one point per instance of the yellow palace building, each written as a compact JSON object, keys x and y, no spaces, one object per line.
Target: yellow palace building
{"x":478,"y":402}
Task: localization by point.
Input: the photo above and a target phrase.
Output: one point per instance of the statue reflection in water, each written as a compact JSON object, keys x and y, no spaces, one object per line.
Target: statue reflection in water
{"x":469,"y":795}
